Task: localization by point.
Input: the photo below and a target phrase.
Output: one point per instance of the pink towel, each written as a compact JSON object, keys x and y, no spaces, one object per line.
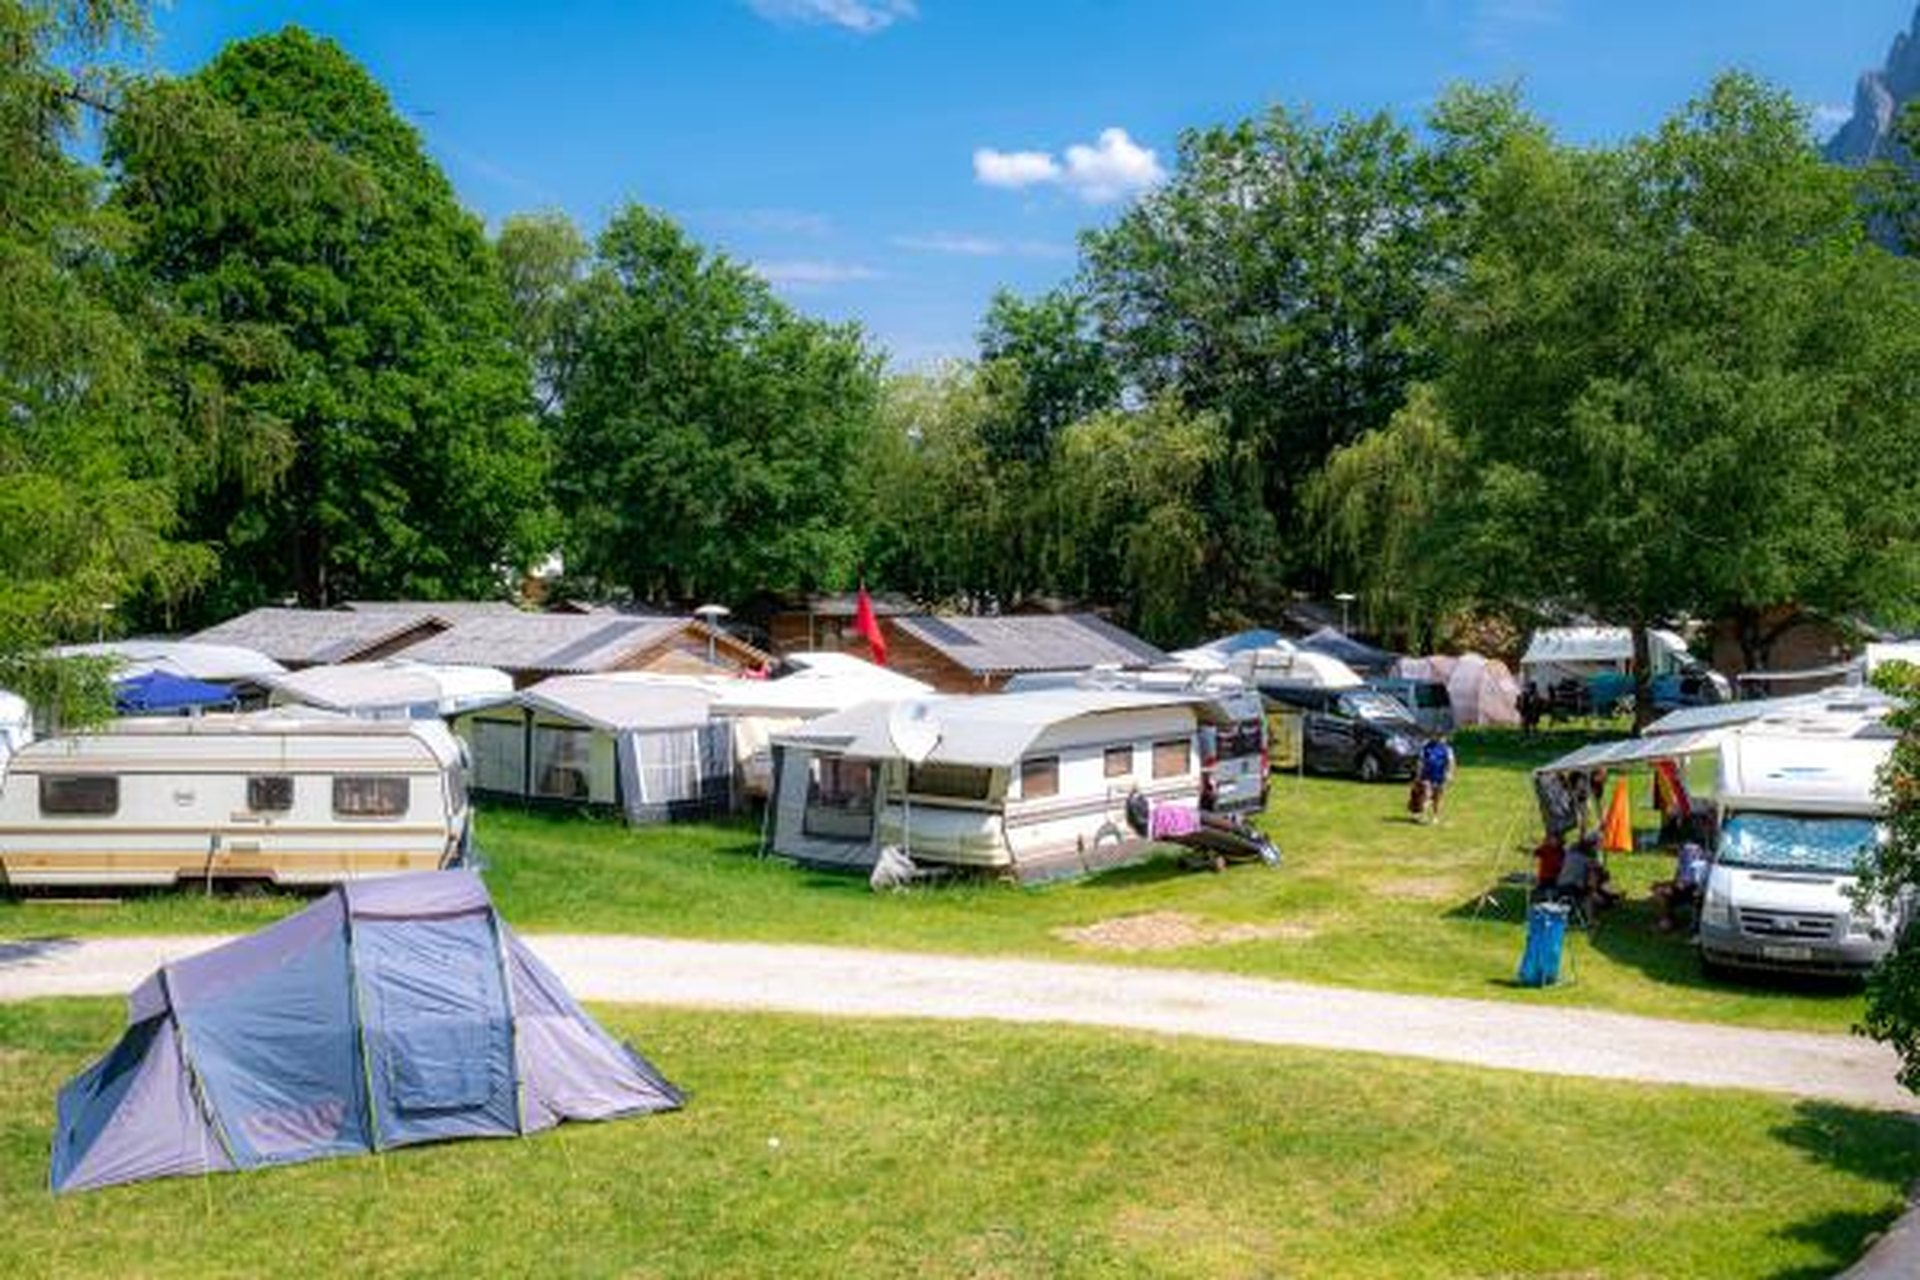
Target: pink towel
{"x":1171,"y":821}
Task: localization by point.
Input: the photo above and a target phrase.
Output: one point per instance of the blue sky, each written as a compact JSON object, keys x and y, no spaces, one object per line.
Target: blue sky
{"x":894,"y":161}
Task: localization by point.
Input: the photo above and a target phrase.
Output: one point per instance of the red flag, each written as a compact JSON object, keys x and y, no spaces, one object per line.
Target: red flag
{"x":868,"y":626}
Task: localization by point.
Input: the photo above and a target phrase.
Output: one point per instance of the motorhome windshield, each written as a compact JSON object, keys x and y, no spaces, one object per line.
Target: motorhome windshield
{"x":1776,"y":842}
{"x":1369,"y":705}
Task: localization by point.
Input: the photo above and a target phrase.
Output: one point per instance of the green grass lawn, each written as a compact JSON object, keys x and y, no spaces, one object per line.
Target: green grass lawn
{"x":966,"y":1150}
{"x":1365,"y":898}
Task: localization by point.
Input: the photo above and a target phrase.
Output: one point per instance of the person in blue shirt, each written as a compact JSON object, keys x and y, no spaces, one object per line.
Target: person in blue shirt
{"x":1436,"y":771}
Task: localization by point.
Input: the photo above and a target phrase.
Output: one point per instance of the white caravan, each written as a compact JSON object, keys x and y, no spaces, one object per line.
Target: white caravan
{"x":1797,"y":811}
{"x":295,"y":799}
{"x":1034,"y":785}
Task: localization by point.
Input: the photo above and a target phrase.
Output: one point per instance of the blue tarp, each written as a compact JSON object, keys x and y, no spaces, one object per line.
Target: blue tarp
{"x":161,"y":693}
{"x":393,"y":1011}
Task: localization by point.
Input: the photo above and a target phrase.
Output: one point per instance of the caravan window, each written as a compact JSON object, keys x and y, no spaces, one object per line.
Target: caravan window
{"x":369,"y":795}
{"x":953,"y":781}
{"x":1171,"y":758}
{"x":562,"y":762}
{"x":74,"y":795}
{"x":270,"y":793}
{"x":839,"y":799}
{"x":1040,"y":777}
{"x":1120,"y":761}
{"x":846,"y":785}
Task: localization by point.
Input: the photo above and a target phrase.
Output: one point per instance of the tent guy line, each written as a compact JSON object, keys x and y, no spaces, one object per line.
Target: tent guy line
{"x":859,"y":983}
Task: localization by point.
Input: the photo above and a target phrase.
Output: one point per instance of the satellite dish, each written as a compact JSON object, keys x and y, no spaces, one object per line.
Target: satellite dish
{"x":913,"y":729}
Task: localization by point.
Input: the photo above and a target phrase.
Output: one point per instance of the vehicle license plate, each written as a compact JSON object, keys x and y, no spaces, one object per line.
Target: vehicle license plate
{"x":1787,"y":953}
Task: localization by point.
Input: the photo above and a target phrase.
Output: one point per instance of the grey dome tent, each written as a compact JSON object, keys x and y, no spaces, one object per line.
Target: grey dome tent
{"x":393,"y":1011}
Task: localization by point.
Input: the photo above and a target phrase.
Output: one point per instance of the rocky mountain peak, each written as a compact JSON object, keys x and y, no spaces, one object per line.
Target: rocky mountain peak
{"x":1878,"y":100}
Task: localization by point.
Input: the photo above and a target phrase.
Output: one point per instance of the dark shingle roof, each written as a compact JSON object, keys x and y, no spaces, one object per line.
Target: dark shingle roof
{"x":309,"y":637}
{"x":559,"y":642}
{"x":1036,"y":642}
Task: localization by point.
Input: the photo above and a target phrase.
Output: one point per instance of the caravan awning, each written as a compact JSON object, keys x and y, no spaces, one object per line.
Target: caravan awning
{"x":1631,"y":751}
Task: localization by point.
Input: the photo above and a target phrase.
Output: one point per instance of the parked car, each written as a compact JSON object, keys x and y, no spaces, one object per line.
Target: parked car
{"x":1361,"y":732}
{"x":1426,"y":699}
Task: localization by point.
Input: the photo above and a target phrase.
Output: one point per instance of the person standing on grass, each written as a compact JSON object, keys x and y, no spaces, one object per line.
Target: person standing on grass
{"x":1436,"y":771}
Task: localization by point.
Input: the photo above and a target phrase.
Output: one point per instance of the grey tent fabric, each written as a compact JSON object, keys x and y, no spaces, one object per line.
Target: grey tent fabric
{"x":673,"y":774}
{"x":393,"y":1011}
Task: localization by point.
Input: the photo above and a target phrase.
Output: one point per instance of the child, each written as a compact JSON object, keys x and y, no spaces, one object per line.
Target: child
{"x":1436,"y":770}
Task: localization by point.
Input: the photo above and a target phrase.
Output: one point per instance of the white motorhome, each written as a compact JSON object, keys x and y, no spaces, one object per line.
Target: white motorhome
{"x":1033,"y":785}
{"x":294,"y":799}
{"x":1797,"y":811}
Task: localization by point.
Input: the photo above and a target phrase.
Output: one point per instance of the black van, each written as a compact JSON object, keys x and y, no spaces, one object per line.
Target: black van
{"x":1358,"y":731}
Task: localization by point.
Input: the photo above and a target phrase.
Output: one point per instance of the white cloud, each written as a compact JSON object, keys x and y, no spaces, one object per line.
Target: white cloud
{"x":863,"y":16}
{"x":811,"y":274}
{"x":1829,"y":116}
{"x":1113,"y":168}
{"x":981,"y":246}
{"x":1014,"y":169}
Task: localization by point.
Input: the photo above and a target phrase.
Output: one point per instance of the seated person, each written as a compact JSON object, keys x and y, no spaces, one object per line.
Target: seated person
{"x":1583,"y":877}
{"x":1689,"y":882}
{"x":1548,"y":857}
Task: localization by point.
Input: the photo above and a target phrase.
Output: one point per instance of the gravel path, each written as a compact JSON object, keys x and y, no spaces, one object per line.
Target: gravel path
{"x":843,"y":981}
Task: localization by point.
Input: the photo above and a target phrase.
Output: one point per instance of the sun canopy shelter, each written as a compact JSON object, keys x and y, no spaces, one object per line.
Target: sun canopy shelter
{"x":157,"y":693}
{"x":396,"y":688}
{"x":391,"y":1012}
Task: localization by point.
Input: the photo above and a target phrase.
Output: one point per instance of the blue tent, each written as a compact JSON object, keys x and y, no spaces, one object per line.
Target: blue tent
{"x":393,"y":1011}
{"x":160,"y":693}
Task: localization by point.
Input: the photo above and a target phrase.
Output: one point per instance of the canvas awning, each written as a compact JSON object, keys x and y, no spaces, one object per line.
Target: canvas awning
{"x":1632,"y":751}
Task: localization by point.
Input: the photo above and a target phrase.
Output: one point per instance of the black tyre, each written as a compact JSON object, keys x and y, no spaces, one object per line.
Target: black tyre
{"x":1369,"y":768}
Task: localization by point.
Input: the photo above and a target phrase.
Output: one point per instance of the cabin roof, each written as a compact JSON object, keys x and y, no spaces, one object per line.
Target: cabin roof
{"x":1030,"y":642}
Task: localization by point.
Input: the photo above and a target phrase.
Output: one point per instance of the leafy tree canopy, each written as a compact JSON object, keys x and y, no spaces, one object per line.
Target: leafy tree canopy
{"x":333,"y":330}
{"x":86,"y":517}
{"x":712,"y":439}
{"x":1682,"y":377}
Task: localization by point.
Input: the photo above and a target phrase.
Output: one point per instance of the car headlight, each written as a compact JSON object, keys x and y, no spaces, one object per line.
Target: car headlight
{"x":1718,"y":911}
{"x":1400,"y":744}
{"x":1866,"y":924}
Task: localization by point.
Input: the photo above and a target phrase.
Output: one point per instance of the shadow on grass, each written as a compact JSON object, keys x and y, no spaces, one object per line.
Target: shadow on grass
{"x":1878,"y":1146}
{"x":1628,"y":937}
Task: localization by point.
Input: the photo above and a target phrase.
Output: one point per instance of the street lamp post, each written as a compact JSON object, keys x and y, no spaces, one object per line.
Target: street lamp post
{"x":1345,"y":598}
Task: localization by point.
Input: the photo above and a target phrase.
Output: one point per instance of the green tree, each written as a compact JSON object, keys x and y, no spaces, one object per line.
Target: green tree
{"x":1377,"y":505}
{"x":1892,"y":881}
{"x":711,"y":438}
{"x":335,"y":329}
{"x":1682,"y":377}
{"x":1279,"y":278}
{"x":1135,"y":479}
{"x":87,"y":518}
{"x":543,"y":257}
{"x":1054,"y":368}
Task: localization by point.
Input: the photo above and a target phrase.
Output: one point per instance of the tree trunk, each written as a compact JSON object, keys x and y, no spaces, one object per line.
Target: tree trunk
{"x":1642,"y":677}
